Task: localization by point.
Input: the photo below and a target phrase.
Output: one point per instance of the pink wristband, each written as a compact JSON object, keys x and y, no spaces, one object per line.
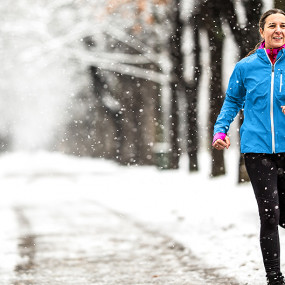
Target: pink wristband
{"x":220,"y":136}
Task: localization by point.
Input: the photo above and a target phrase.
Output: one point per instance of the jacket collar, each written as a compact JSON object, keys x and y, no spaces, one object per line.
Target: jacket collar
{"x":262,"y":53}
{"x":272,"y":52}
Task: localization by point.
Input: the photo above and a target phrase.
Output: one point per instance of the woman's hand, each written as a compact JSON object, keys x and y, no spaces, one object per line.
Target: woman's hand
{"x":283,"y":109}
{"x":221,"y":144}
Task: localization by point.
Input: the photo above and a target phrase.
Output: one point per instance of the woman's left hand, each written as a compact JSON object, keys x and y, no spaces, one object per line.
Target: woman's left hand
{"x":283,"y":109}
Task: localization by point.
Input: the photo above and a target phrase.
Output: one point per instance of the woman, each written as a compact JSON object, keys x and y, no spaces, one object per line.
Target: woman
{"x":257,"y":85}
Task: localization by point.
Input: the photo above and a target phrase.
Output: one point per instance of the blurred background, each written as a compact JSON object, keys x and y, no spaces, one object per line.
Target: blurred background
{"x":140,"y":82}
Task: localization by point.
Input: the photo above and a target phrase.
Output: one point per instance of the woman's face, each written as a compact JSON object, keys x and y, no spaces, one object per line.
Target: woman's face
{"x":274,"y":31}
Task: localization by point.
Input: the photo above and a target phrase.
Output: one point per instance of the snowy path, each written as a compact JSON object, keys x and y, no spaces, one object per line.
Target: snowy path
{"x":79,"y":242}
{"x":66,"y":221}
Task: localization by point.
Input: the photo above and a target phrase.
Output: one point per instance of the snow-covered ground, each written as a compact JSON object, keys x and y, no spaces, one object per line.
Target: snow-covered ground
{"x":216,"y":218}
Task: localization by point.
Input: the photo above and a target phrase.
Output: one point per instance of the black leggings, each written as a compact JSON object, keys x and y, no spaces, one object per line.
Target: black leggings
{"x":267,"y":175}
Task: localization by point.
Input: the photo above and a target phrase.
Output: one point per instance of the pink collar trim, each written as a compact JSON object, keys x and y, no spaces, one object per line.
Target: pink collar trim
{"x":272,"y":52}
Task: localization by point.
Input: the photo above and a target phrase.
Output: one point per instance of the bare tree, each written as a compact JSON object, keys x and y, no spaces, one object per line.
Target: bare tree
{"x":184,"y":87}
{"x":191,"y":92}
{"x":175,"y":43}
{"x":212,"y":23}
{"x":246,"y":38}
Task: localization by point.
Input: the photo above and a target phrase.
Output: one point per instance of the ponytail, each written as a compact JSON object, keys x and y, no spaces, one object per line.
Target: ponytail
{"x":254,"y":50}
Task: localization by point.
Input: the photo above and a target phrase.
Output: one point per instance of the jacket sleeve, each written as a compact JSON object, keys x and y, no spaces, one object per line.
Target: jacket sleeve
{"x":234,"y":101}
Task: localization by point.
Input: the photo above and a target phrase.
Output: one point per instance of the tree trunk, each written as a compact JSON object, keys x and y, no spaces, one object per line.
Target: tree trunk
{"x":176,"y":77}
{"x":191,"y":92}
{"x":146,"y":95}
{"x":174,"y":128}
{"x":106,"y":140}
{"x":242,"y":173}
{"x":127,"y":151}
{"x":216,"y":39}
{"x":192,"y":135}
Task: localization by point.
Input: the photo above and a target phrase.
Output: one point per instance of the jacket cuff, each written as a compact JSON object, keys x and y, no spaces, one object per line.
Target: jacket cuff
{"x":220,"y":136}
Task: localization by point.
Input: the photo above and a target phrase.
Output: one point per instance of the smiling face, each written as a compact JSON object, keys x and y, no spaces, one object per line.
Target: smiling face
{"x":274,"y":31}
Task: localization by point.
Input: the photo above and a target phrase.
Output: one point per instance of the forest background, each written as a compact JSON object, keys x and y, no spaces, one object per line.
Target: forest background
{"x":140,"y":82}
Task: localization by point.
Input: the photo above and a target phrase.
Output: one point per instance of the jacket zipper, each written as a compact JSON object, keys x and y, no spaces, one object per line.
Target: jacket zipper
{"x":271,"y":101}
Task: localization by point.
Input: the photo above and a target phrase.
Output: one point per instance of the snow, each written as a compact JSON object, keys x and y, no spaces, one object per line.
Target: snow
{"x":215,"y":217}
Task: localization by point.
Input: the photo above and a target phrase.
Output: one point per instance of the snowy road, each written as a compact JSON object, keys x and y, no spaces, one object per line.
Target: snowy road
{"x":66,"y":221}
{"x":80,"y":242}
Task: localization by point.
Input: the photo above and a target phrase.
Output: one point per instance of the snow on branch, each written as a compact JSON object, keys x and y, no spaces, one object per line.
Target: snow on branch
{"x":122,"y":57}
{"x":121,"y":68}
{"x":133,"y":42}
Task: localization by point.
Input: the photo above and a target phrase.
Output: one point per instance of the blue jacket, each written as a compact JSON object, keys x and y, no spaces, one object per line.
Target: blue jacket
{"x":258,"y":87}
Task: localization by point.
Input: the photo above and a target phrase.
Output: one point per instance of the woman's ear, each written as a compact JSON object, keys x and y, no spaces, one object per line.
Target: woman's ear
{"x":261,"y":33}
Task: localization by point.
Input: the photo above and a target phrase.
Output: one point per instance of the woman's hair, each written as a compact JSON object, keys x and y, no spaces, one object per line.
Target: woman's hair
{"x":262,"y":24}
